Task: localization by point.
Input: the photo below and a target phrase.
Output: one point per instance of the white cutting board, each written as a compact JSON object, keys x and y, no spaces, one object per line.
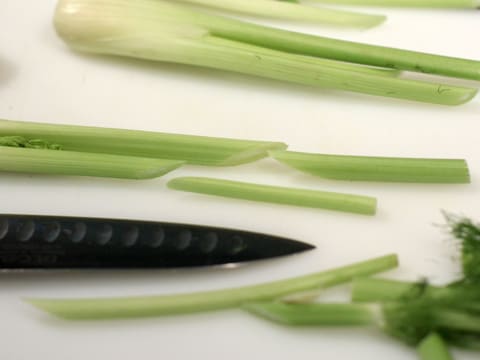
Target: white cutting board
{"x":41,"y":80}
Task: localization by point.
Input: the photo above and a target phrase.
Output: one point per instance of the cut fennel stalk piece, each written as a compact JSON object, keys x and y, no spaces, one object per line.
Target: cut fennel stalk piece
{"x":296,"y":12}
{"x":409,"y":320}
{"x":162,"y":31}
{"x":200,"y":150}
{"x":343,"y":50}
{"x":458,"y":4}
{"x":127,"y":307}
{"x":275,"y":194}
{"x":433,"y":348}
{"x":313,"y":314}
{"x":385,"y":290}
{"x":60,"y":162}
{"x":368,"y":168}
{"x":459,"y":296}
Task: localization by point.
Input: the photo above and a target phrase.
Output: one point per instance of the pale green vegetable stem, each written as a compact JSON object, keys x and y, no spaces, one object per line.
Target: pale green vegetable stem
{"x":433,"y":348}
{"x":296,"y":12}
{"x":319,"y":314}
{"x":317,"y":63}
{"x":385,"y":290}
{"x":104,"y":308}
{"x":275,"y":194}
{"x":60,"y":162}
{"x":343,"y":50}
{"x":163,"y":31}
{"x":200,"y":150}
{"x":460,"y":4}
{"x":235,"y":56}
{"x":368,"y":168}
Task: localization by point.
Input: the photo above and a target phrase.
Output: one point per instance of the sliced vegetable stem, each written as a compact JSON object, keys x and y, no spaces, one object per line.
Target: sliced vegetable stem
{"x":201,"y":150}
{"x":433,"y":348}
{"x":343,"y":50}
{"x":104,"y":308}
{"x":457,"y":320}
{"x":296,"y":12}
{"x":456,"y":4}
{"x":164,"y":31}
{"x":247,"y":59}
{"x":369,"y":289}
{"x":60,"y":162}
{"x":369,"y":168}
{"x":318,"y":63}
{"x":275,"y":194}
{"x":320,"y":314}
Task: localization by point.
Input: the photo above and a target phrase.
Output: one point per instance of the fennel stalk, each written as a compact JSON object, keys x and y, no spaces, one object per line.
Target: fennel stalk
{"x":454,"y":4}
{"x":290,"y":11}
{"x":199,"y":150}
{"x":358,"y":204}
{"x":61,"y":162}
{"x":145,"y":306}
{"x":164,"y":31}
{"x":370,"y":168}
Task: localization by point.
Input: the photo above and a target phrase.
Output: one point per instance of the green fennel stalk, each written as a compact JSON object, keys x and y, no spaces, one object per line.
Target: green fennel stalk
{"x":461,"y":297}
{"x":163,"y":31}
{"x":409,"y":318}
{"x":381,"y":290}
{"x":200,"y":150}
{"x":459,"y":4}
{"x":419,"y":314}
{"x":313,"y":314}
{"x":275,"y":194}
{"x":296,"y":12}
{"x":343,"y":50}
{"x":466,"y":289}
{"x":368,"y":168}
{"x":61,"y":162}
{"x":433,"y":348}
{"x":144,"y":306}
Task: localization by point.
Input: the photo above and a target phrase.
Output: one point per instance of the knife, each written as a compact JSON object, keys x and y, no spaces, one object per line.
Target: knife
{"x":58,"y":242}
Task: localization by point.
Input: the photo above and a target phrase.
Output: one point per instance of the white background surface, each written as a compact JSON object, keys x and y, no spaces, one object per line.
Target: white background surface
{"x":41,"y":80}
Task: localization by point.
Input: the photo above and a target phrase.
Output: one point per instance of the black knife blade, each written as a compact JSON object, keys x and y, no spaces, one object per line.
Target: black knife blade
{"x":58,"y":242}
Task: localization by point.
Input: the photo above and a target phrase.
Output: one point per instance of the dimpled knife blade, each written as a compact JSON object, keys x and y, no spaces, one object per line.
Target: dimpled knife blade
{"x":57,"y":242}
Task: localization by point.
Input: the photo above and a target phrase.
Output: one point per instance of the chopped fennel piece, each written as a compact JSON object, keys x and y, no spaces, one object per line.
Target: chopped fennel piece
{"x":200,"y":150}
{"x":275,"y":194}
{"x":325,"y":314}
{"x":295,"y":12}
{"x":455,"y":4}
{"x":370,"y":168}
{"x":165,"y":305}
{"x":433,"y":347}
{"x":60,"y":162}
{"x":410,"y":320}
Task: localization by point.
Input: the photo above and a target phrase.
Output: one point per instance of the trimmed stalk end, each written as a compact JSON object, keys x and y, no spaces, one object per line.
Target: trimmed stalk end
{"x":433,"y":347}
{"x":164,"y":167}
{"x":468,"y":95}
{"x":252,"y":154}
{"x":49,"y":306}
{"x":319,"y":314}
{"x":373,"y":21}
{"x":261,"y":310}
